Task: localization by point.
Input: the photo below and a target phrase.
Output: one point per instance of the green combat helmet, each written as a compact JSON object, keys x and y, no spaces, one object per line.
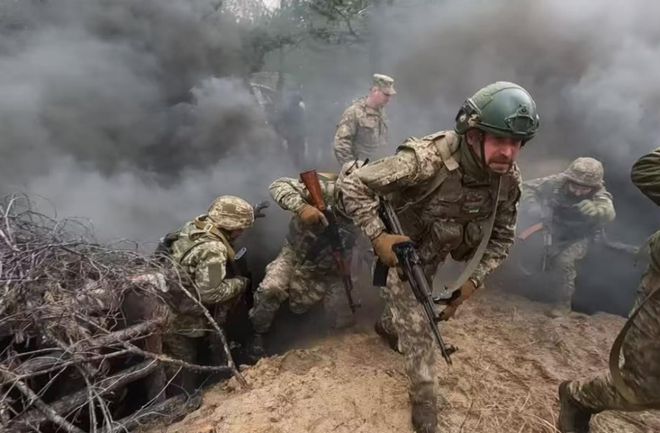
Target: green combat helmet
{"x":586,"y":172}
{"x":231,"y":213}
{"x":503,"y":109}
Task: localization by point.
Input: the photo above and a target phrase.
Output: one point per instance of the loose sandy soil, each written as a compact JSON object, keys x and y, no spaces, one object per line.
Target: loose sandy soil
{"x":504,"y":378}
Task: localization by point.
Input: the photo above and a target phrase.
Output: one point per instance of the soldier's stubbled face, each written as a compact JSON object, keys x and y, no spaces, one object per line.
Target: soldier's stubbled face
{"x":500,"y":153}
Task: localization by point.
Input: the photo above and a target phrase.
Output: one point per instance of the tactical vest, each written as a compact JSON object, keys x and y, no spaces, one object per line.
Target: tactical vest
{"x":568,"y":223}
{"x":449,"y":211}
{"x":187,"y":239}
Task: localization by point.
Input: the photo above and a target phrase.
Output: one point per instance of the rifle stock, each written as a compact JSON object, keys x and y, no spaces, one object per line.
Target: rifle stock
{"x":311,"y":181}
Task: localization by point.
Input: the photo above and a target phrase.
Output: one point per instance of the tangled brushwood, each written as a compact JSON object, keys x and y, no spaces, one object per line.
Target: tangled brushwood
{"x":80,"y":328}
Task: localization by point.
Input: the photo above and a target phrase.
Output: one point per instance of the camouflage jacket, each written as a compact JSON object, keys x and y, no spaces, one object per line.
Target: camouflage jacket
{"x":360,"y":132}
{"x":203,"y":256}
{"x":443,"y":198}
{"x":645,"y":175}
{"x":550,"y":198}
{"x":291,"y":194}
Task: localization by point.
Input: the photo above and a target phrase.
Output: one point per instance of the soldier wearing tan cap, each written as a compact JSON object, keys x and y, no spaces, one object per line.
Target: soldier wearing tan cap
{"x":363,"y":126}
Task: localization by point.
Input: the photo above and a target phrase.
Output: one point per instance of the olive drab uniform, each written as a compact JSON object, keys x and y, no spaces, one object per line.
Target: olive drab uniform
{"x":635,"y":382}
{"x":304,"y":272}
{"x":571,"y":228}
{"x":446,"y":221}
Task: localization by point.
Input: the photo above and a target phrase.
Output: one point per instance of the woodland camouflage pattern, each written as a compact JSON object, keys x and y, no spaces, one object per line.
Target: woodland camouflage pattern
{"x":640,"y":352}
{"x":449,"y":220}
{"x":298,"y":274}
{"x":572,"y":229}
{"x":361,"y":131}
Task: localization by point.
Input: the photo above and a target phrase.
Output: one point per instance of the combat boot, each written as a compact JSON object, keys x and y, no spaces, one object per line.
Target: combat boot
{"x":573,"y":416}
{"x":425,"y":416}
{"x":256,"y":349}
{"x":389,"y":336}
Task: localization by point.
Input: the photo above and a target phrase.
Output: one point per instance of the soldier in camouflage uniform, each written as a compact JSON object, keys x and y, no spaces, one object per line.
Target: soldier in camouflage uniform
{"x":304,"y":272}
{"x":202,"y":249}
{"x":445,"y":187}
{"x":574,"y":206}
{"x":633,"y":382}
{"x":362,"y":129}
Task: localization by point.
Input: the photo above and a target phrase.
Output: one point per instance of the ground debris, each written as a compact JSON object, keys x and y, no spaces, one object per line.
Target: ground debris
{"x":510,"y":361}
{"x":79,"y":322}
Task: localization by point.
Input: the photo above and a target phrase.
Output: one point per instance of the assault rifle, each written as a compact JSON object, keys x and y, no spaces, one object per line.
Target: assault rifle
{"x":412,"y":272}
{"x":331,"y":234}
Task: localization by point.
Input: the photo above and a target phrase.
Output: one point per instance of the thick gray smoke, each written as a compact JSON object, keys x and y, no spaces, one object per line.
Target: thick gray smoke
{"x":126,"y":113}
{"x":591,"y":65}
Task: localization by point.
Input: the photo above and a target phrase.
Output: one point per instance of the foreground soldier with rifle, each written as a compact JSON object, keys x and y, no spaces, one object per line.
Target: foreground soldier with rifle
{"x":313,"y":265}
{"x":456,"y":193}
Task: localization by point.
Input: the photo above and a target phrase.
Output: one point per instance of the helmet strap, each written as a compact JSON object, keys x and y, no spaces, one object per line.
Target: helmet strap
{"x":482,"y":139}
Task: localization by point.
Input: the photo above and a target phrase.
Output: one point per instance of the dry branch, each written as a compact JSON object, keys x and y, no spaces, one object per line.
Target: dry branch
{"x":71,"y":312}
{"x":71,"y":402}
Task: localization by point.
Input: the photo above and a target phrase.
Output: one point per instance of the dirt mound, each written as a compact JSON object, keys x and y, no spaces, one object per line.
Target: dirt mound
{"x":504,"y":379}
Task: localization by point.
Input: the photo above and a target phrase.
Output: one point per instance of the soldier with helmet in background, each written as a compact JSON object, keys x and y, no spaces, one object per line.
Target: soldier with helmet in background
{"x":305,"y":271}
{"x":632,"y":382}
{"x":573,"y":206}
{"x":202,"y":249}
{"x":455,"y":193}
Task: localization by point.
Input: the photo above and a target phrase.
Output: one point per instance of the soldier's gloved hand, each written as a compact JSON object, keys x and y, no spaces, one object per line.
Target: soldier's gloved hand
{"x":310,"y":215}
{"x":588,"y":208}
{"x":466,"y":290}
{"x":383,"y":247}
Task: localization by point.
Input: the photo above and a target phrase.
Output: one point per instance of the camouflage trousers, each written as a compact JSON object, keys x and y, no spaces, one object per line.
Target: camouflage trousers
{"x":304,"y":285}
{"x":405,"y":316}
{"x":185,"y":349}
{"x":565,"y":264}
{"x":639,"y":362}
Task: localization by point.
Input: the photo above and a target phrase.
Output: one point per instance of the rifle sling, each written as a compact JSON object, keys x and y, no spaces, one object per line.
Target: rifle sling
{"x":481,"y":249}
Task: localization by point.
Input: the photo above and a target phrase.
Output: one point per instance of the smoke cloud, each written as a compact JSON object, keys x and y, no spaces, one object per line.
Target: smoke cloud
{"x":134,"y":114}
{"x":130,"y":114}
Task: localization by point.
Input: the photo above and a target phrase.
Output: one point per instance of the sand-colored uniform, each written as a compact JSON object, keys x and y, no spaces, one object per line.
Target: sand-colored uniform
{"x":572,"y":231}
{"x":203,"y":257}
{"x":361,"y":132}
{"x":444,"y":199}
{"x":304,"y":272}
